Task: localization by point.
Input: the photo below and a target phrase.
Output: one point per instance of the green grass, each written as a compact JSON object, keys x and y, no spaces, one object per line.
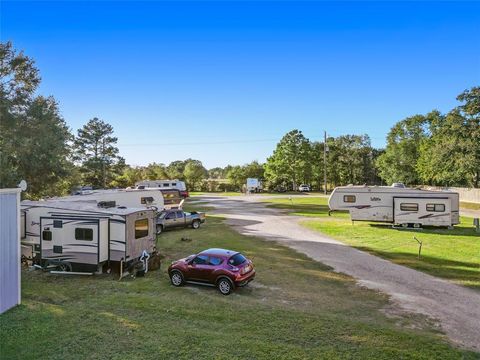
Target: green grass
{"x":469,"y":205}
{"x":450,"y":254}
{"x":295,"y":309}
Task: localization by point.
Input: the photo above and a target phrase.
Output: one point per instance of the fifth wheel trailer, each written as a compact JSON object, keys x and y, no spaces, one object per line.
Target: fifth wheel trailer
{"x":81,"y":236}
{"x":400,"y":206}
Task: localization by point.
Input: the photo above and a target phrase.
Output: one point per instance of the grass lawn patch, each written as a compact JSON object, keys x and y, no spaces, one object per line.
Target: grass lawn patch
{"x":469,"y":205}
{"x":295,"y":309}
{"x":449,"y":254}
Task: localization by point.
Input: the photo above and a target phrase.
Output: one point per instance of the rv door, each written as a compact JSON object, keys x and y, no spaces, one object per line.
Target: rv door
{"x":70,"y":240}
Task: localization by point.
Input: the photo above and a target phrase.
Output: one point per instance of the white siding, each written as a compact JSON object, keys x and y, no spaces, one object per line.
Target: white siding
{"x":9,"y":248}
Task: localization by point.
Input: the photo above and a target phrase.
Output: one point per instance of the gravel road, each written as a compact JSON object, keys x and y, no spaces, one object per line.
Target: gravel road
{"x":455,"y":308}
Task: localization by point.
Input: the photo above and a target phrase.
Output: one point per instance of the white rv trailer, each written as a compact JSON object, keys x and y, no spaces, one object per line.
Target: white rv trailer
{"x":400,"y":206}
{"x":161,"y":184}
{"x":81,"y":236}
{"x":122,"y":197}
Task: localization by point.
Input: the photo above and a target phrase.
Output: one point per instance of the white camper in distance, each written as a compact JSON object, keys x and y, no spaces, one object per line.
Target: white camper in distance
{"x":400,"y":206}
{"x":254,"y":185}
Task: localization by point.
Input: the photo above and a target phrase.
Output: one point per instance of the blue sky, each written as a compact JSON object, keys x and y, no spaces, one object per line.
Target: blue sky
{"x":223,"y":81}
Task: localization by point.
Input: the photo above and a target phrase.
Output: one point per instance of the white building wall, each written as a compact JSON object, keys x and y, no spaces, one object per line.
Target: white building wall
{"x":9,"y":248}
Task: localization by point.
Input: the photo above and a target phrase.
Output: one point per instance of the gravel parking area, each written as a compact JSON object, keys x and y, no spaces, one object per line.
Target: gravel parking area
{"x":455,"y":308}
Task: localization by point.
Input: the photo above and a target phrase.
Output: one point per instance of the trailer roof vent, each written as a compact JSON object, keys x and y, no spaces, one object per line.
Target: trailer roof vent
{"x":106,"y":204}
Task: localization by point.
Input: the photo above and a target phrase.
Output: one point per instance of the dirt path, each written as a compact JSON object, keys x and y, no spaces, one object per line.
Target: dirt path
{"x":457,"y":309}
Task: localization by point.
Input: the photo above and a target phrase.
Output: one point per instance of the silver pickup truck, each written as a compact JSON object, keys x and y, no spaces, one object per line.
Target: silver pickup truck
{"x":178,"y":218}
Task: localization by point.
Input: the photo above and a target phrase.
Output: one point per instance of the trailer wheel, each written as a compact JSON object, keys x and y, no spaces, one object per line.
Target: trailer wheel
{"x":417,"y":225}
{"x":195,"y":224}
{"x":64,"y":266}
{"x":405,"y":225}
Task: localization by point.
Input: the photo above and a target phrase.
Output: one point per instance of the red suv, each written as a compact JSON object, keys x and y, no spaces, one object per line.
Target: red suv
{"x":225,"y":269}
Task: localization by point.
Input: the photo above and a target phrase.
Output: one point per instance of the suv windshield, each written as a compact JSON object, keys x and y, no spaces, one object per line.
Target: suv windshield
{"x":237,"y":259}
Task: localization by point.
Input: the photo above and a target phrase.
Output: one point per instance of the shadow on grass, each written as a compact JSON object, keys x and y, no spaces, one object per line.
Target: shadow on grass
{"x":459,"y":230}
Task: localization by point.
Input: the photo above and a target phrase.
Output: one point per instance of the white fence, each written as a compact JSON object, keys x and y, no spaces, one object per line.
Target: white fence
{"x":466,"y":194}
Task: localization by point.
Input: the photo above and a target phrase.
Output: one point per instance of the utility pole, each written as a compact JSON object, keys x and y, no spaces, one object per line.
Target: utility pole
{"x":103,"y":161}
{"x":325,"y":162}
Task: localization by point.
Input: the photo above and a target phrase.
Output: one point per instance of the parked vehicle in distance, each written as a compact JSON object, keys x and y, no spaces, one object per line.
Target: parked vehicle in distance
{"x":225,"y":269}
{"x":178,"y":218}
{"x":254,"y":186}
{"x":304,"y":188}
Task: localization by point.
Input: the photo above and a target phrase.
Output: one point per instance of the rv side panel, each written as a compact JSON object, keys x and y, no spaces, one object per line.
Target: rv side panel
{"x":140,"y":234}
{"x":103,"y":240}
{"x":69,"y":239}
{"x":117,"y":239}
{"x":423,"y":211}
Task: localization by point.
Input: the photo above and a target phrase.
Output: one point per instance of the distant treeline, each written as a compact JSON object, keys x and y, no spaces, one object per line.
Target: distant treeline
{"x":37,"y":145}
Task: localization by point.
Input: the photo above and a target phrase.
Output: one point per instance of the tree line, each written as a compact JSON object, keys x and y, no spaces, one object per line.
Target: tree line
{"x":37,"y":145}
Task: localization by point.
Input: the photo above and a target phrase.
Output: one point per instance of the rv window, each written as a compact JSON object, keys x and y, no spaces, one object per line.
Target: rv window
{"x":166,"y":185}
{"x":349,"y":198}
{"x":57,"y":223}
{"x":83,"y":234}
{"x":409,"y":207}
{"x":141,"y":228}
{"x":47,"y":235}
{"x":436,"y":207}
{"x":146,"y":200}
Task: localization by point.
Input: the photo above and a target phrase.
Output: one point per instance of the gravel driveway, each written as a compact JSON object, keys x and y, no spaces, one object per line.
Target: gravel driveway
{"x":457,"y":309}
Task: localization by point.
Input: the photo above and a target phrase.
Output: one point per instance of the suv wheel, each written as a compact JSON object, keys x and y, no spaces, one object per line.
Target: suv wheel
{"x":176,"y":278}
{"x":195,"y":224}
{"x":225,"y":286}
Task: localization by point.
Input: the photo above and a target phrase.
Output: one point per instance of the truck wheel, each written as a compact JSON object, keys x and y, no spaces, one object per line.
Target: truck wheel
{"x":159,"y":229}
{"x":176,"y":278}
{"x":195,"y":224}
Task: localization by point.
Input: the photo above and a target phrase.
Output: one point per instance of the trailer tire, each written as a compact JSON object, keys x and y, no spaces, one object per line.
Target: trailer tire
{"x":196,"y":224}
{"x":64,"y":266}
{"x":176,"y":278}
